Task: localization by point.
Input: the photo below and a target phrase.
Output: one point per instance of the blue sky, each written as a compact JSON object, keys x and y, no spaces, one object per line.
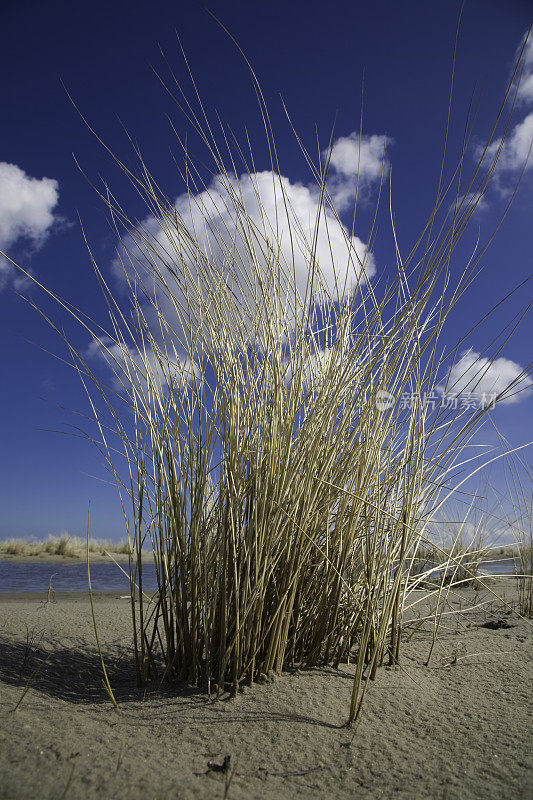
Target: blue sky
{"x":314,"y":57}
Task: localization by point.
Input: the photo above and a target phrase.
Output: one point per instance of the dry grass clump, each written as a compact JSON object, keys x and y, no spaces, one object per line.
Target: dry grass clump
{"x":266,"y":458}
{"x":14,"y":547}
{"x":63,"y":545}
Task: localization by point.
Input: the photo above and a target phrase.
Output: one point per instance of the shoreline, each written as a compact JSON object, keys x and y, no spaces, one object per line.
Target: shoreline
{"x":94,"y":558}
{"x":60,"y":597}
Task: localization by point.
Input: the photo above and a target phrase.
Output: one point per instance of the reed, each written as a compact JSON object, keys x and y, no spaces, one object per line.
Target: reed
{"x":250,"y":427}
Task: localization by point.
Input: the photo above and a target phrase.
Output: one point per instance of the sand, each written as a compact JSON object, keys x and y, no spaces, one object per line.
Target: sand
{"x":460,"y":728}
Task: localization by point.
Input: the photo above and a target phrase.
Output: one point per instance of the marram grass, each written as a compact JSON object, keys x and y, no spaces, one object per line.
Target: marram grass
{"x":282,"y":502}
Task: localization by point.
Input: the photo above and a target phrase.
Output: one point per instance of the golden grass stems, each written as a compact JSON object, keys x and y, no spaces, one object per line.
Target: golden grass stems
{"x":105,"y":680}
{"x":246,"y":427}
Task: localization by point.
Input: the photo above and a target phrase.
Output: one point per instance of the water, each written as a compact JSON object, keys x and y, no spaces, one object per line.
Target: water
{"x":36,"y":577}
{"x":501,"y":566}
{"x":497,"y":566}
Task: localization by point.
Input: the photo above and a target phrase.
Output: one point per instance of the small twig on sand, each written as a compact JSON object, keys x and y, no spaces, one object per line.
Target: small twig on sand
{"x":50,"y":594}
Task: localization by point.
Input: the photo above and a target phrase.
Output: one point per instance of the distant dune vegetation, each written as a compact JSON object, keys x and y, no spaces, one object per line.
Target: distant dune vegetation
{"x":63,"y":545}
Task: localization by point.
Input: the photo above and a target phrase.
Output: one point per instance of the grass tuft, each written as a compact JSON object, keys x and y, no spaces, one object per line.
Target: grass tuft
{"x":248,"y":425}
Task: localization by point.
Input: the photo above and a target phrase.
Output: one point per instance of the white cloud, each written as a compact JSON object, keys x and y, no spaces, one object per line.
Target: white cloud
{"x":366,"y":156}
{"x":525,"y":90}
{"x":515,"y":153}
{"x":26,"y":212}
{"x":356,"y":160}
{"x":483,"y":379}
{"x":524,"y":94}
{"x":137,"y":369}
{"x":9,"y":276}
{"x":466,"y":200}
{"x":243,"y":227}
{"x":516,"y":147}
{"x":339,"y":256}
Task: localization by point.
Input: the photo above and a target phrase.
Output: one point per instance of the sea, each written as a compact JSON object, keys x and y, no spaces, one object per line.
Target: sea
{"x":29,"y":576}
{"x":17,"y":576}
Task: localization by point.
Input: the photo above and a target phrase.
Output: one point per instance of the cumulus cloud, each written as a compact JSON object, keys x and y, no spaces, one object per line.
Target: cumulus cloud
{"x":133,"y":368}
{"x":524,"y":87}
{"x":466,"y":200}
{"x":356,"y":161}
{"x":515,"y":150}
{"x":483,"y":380}
{"x":525,"y":90}
{"x":26,"y":213}
{"x":256,"y":232}
{"x":339,"y":256}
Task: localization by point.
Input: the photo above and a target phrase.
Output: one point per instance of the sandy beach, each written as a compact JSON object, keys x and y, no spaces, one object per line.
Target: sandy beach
{"x":460,"y":728}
